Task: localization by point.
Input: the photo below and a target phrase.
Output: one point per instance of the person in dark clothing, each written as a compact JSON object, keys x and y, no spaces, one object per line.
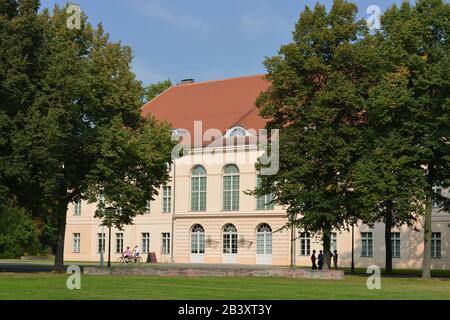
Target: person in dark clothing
{"x":320,"y":258}
{"x":313,"y":260}
{"x":329,"y":260}
{"x":335,"y":259}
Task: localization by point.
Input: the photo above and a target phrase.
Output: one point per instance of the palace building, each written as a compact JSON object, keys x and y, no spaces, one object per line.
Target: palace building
{"x":204,"y":215}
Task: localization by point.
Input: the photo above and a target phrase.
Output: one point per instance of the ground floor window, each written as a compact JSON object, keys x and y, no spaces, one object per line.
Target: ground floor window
{"x":101,"y":243}
{"x":305,"y":244}
{"x":395,"y":244}
{"x":436,"y":245}
{"x":230,"y":239}
{"x":264,"y":239}
{"x":76,"y":243}
{"x":366,"y":244}
{"x":165,"y":243}
{"x":119,"y":242}
{"x":145,"y":242}
{"x":333,"y":242}
{"x":197,"y":239}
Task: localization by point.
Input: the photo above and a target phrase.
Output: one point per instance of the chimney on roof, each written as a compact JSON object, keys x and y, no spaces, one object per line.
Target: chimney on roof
{"x":187,"y":81}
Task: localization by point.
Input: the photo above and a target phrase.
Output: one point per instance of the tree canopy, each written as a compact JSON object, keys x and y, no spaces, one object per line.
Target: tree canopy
{"x":74,"y":108}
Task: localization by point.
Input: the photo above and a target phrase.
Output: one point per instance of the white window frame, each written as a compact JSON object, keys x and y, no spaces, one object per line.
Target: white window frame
{"x":167,"y":199}
{"x":436,"y":204}
{"x":436,"y":245}
{"x":165,"y":247}
{"x":145,"y":237}
{"x":197,"y":240}
{"x":119,"y":242}
{"x":366,"y":244}
{"x":235,"y":178}
{"x":265,"y":202}
{"x":200,"y":194}
{"x":305,"y":244}
{"x":76,"y":245}
{"x":333,"y":241}
{"x":396,"y":244}
{"x":77,"y":208}
{"x":101,"y":242}
{"x":229,"y":240}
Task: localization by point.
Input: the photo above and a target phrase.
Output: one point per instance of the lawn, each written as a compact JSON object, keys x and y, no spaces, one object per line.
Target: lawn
{"x":53,"y":286}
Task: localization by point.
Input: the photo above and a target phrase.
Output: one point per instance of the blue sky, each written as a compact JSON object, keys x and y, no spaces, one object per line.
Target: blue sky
{"x":200,"y":39}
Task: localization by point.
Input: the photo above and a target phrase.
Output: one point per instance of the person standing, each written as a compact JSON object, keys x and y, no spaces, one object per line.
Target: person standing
{"x":335,"y":259}
{"x":329,"y":260}
{"x":320,"y":258}
{"x":313,"y":260}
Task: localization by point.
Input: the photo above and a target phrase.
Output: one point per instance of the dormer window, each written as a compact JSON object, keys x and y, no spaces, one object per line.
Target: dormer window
{"x":237,"y":132}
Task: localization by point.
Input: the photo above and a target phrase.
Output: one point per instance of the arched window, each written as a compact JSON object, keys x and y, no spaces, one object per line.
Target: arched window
{"x":231,"y":188}
{"x":198,"y":189}
{"x":230,"y":239}
{"x":197,"y":239}
{"x":264,"y":239}
{"x":237,"y":132}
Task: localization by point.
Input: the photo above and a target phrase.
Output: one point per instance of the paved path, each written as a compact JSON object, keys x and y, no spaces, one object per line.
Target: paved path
{"x":25,"y":268}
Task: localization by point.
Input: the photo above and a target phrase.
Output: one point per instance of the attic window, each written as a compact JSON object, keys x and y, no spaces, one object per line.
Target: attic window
{"x":237,"y":132}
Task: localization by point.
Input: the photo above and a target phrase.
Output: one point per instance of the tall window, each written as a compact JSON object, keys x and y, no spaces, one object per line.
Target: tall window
{"x":436,"y":245}
{"x":167,"y":199}
{"x":395,"y":244}
{"x":76,"y":243}
{"x":265,"y":202}
{"x":305,"y":244}
{"x":231,"y":188}
{"x":165,"y":249}
{"x":333,"y":241}
{"x":437,"y":191}
{"x":367,"y":244}
{"x":101,"y":197}
{"x":264,"y":239}
{"x":230,"y":239}
{"x":197,"y":239}
{"x":198,"y":189}
{"x":119,"y":242}
{"x":146,"y":242}
{"x":77,"y":211}
{"x":101,"y":243}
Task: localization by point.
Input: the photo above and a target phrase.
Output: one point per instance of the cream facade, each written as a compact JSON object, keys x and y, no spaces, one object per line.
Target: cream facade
{"x":199,"y":218}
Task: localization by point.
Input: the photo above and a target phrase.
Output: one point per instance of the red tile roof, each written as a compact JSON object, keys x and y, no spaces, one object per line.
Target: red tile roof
{"x":220,"y":104}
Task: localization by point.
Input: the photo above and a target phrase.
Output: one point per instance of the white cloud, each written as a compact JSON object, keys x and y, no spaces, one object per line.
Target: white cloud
{"x":178,"y":18}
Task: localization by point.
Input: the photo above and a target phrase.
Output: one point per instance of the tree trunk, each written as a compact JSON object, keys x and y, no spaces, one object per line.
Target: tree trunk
{"x":387,"y":236}
{"x":326,"y":248}
{"x":59,"y":255}
{"x":426,"y":273}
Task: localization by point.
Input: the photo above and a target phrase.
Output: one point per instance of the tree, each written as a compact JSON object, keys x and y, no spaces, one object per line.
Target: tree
{"x":82,"y":132}
{"x":419,"y":40}
{"x":155,"y":89}
{"x":316,"y":99}
{"x":388,"y":179}
{"x":18,"y":234}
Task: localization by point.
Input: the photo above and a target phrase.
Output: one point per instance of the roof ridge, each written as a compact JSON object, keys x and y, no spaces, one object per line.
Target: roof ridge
{"x":159,"y":95}
{"x":220,"y":80}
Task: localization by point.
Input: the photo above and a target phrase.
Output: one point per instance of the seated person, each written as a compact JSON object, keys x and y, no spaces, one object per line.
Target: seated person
{"x":127,"y":253}
{"x":136,"y":251}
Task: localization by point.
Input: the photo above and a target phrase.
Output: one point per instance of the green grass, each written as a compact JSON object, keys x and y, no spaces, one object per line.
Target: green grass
{"x":53,"y":286}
